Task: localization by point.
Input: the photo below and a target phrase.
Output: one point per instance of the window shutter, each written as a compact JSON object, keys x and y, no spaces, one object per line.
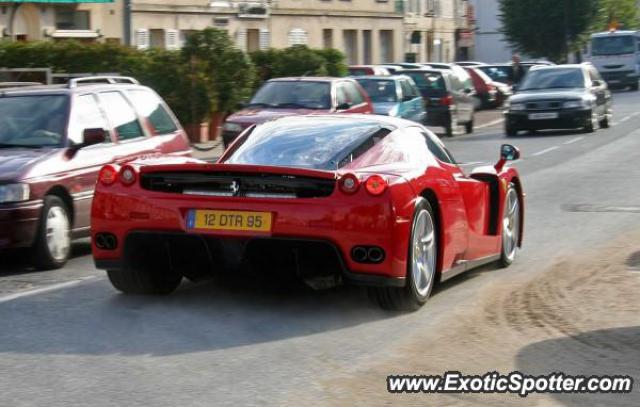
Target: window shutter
{"x":171,"y":39}
{"x":142,"y":38}
{"x":298,"y":36}
{"x":241,"y":39}
{"x":265,"y":39}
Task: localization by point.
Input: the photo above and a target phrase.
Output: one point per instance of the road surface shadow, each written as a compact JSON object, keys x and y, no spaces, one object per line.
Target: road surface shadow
{"x":16,"y":261}
{"x":602,"y":352}
{"x":92,"y":318}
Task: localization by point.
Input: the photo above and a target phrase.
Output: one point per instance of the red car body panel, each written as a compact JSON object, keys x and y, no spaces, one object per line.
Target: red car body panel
{"x":469,"y":233}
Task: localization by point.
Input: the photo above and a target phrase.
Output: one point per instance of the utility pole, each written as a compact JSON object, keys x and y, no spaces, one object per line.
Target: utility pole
{"x":127,"y":22}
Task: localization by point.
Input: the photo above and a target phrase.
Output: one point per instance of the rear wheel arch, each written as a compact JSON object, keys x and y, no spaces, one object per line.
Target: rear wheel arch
{"x":62,"y":193}
{"x":430,"y":196}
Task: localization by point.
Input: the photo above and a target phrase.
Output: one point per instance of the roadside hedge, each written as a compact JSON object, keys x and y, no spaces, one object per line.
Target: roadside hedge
{"x":208,"y":76}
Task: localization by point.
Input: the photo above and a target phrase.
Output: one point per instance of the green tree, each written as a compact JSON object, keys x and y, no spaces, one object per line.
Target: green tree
{"x":228,"y":71}
{"x":547,"y":28}
{"x":624,"y":13}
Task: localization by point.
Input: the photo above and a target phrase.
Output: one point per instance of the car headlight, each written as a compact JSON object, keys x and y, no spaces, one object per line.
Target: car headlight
{"x":516,"y":106}
{"x":233,"y":127}
{"x":14,"y":193}
{"x":575,"y":104}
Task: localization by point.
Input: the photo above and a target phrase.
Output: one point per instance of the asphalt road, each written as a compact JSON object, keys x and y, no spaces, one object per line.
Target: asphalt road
{"x":569,"y":304}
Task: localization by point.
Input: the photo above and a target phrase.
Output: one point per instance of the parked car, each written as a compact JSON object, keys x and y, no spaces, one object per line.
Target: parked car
{"x":54,"y":140}
{"x":395,"y":96}
{"x":403,"y":65}
{"x":448,"y":101}
{"x":486,"y":92}
{"x":469,"y":63}
{"x":363,"y":70}
{"x":502,"y":73}
{"x":560,"y":97}
{"x":367,"y":199}
{"x":295,"y":96}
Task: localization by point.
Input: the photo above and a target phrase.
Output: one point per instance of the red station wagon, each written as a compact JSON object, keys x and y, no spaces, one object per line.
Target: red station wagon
{"x":296,"y":96}
{"x":54,"y":140}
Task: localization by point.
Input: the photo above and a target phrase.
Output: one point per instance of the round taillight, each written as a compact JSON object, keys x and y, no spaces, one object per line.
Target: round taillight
{"x":349,"y":184}
{"x":376,"y":185}
{"x":127,"y":175}
{"x":108,"y":175}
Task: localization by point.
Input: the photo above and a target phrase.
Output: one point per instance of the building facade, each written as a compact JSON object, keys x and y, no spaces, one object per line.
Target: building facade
{"x":86,"y":20}
{"x":437,"y":30}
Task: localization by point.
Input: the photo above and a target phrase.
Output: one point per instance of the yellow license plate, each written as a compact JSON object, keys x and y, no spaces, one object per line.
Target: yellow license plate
{"x":229,"y":220}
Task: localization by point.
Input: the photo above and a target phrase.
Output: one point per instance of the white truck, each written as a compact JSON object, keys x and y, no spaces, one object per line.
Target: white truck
{"x":616,"y":55}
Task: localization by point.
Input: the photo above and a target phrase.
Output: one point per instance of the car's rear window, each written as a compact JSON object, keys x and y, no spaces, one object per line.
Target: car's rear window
{"x":497,"y":73}
{"x":33,"y":120}
{"x":318,"y":143}
{"x":428,"y":82}
{"x":294,"y":95}
{"x":380,"y":90}
{"x":360,"y":71}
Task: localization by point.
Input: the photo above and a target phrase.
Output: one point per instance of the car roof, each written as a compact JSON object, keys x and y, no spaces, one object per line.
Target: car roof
{"x":564,"y":66}
{"x":307,"y":79}
{"x":614,"y":33}
{"x":65,"y":89}
{"x":316,"y":119}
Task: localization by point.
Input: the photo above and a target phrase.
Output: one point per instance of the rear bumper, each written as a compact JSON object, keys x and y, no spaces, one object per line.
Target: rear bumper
{"x":621,"y":78}
{"x":334,"y":224}
{"x":567,"y":119}
{"x":19,"y":224}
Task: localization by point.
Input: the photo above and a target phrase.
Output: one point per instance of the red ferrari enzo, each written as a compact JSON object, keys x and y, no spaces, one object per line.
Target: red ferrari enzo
{"x":371,"y":200}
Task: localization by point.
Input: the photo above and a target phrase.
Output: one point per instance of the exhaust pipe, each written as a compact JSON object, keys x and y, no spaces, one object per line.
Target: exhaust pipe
{"x":106,"y":241}
{"x":375,"y":254}
{"x":359,"y":254}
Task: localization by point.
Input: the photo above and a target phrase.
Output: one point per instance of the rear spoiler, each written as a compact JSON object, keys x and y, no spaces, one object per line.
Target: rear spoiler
{"x":238,"y":168}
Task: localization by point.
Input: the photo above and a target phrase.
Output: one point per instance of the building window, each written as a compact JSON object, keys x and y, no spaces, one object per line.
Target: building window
{"x":156,"y":38}
{"x":253,"y":40}
{"x":350,"y":40}
{"x":298,"y":36}
{"x":68,"y":18}
{"x":386,"y":45}
{"x":327,"y":38}
{"x":433,"y":8}
{"x":366,"y":47}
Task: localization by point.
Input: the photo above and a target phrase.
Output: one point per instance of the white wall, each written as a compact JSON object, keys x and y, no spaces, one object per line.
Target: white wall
{"x":490,"y":45}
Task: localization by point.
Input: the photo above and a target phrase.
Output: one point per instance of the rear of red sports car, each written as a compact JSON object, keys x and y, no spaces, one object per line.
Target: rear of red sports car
{"x":301,"y":207}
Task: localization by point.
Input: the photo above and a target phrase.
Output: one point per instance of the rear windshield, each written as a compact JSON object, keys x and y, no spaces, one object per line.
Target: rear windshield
{"x":428,"y":83}
{"x":497,"y":73}
{"x":324,"y":144}
{"x":360,"y":71}
{"x":33,"y":120}
{"x":554,"y":78}
{"x":294,"y":95}
{"x":380,"y":90}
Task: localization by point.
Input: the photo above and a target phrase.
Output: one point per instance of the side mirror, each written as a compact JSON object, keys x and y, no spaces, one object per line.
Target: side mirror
{"x":93,"y":136}
{"x":507,"y":153}
{"x":343,"y":106}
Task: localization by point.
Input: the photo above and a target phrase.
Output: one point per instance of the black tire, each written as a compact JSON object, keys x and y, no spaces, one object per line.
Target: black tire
{"x":468,"y":126}
{"x":144,"y":282}
{"x":589,"y":126}
{"x":635,"y":86}
{"x":41,"y":256}
{"x":510,"y":132}
{"x":451,"y":126}
{"x":604,"y":122}
{"x":505,"y":259}
{"x":407,"y":298}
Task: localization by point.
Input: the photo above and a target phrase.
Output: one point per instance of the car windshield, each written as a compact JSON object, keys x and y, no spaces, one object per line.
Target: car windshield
{"x":294,"y":143}
{"x":33,"y":120}
{"x":294,"y":94}
{"x":613,"y":45}
{"x":380,"y":90}
{"x":497,"y":73}
{"x":553,"y":78}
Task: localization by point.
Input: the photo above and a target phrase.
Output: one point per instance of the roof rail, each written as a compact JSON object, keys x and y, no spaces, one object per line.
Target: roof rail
{"x":75,"y":82}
